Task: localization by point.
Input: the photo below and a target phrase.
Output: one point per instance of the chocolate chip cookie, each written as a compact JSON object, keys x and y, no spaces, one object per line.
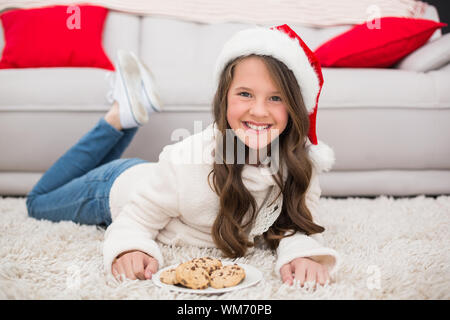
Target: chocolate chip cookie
{"x":208,"y":263}
{"x":192,"y":275}
{"x":168,"y":277}
{"x":227,"y":276}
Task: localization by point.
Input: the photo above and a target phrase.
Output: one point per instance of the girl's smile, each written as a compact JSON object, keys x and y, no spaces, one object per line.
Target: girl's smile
{"x":256,"y":128}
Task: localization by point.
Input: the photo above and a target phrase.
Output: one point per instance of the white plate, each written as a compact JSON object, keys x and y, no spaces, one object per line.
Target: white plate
{"x":252,"y":277}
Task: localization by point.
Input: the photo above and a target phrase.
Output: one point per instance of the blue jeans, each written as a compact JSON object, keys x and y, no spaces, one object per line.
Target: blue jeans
{"x":76,"y":187}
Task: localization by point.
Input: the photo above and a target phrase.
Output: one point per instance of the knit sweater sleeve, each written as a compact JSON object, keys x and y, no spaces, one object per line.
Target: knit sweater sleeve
{"x":149,"y":210}
{"x":301,"y":245}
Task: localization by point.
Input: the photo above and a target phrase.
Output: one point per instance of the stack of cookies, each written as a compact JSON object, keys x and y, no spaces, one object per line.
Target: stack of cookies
{"x":200,"y":273}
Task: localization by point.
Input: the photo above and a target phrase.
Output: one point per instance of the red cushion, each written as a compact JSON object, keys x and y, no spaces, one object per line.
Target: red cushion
{"x":49,"y":37}
{"x":361,"y":47}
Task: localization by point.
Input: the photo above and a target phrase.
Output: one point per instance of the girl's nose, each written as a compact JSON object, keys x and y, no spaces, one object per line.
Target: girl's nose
{"x":259,"y":110}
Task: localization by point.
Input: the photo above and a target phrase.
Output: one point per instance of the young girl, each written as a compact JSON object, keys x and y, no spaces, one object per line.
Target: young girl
{"x":268,"y":84}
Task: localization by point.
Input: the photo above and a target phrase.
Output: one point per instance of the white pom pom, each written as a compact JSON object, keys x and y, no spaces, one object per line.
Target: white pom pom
{"x":322,"y":156}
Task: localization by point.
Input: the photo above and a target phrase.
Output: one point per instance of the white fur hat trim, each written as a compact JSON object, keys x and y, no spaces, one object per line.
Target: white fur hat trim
{"x":265,"y":41}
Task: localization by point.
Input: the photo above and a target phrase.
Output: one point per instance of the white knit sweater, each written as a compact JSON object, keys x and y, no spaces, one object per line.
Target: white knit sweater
{"x":171,"y":201}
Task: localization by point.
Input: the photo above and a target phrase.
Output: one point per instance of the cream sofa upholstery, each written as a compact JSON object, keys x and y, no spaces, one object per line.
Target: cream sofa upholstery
{"x":389,"y":128}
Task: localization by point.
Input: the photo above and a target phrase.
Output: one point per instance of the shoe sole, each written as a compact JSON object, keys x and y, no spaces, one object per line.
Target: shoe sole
{"x":152,"y":96}
{"x":131,"y":79}
{"x":149,"y":86}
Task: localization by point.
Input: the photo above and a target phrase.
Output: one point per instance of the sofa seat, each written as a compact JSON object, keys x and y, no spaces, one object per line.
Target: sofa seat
{"x":401,"y":118}
{"x":377,"y":128}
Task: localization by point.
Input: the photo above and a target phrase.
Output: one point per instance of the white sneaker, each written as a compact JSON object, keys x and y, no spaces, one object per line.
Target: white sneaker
{"x":149,"y":85}
{"x":128,"y":91}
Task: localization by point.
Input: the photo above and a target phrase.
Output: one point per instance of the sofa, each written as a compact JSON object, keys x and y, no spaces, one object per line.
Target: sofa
{"x":389,"y":128}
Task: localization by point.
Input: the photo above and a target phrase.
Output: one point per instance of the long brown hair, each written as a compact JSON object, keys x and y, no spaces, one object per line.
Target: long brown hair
{"x":229,"y":229}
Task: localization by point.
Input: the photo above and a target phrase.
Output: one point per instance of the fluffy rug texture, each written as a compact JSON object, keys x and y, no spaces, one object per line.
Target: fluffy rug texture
{"x":390,"y":249}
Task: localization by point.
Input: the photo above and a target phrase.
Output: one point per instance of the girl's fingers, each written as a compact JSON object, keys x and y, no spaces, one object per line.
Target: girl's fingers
{"x":129,"y":269}
{"x":300,"y":273}
{"x":327,"y":276}
{"x":115,"y":273}
{"x":286,"y":274}
{"x":135,"y":266}
{"x":138,"y":267}
{"x":321,"y":276}
{"x":151,"y":267}
{"x":120,"y":271}
{"x":311,"y":276}
{"x":151,"y":264}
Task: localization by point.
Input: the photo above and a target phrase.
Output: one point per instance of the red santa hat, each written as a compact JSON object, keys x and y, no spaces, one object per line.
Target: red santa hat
{"x":282,"y":43}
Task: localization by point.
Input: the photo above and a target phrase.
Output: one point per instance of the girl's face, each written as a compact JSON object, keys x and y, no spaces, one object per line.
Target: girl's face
{"x":255,"y":111}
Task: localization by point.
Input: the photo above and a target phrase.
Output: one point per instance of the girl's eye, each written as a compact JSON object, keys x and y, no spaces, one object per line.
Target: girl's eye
{"x":277,"y":97}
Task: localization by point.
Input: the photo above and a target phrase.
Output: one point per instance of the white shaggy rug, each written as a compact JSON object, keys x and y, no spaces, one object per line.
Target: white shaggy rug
{"x":390,"y":248}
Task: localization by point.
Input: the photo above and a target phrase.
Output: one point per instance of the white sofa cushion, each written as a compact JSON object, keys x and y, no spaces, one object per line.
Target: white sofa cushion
{"x":121,"y":31}
{"x":53,"y":88}
{"x":383,"y":88}
{"x":431,"y":56}
{"x":380,"y":138}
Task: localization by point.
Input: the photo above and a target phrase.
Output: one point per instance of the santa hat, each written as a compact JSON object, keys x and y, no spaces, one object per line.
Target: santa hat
{"x":284,"y":44}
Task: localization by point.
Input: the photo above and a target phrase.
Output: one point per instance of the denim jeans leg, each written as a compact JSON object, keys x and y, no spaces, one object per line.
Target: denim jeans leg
{"x":117,"y":151}
{"x":84,"y":156}
{"x":76,"y":187}
{"x":84,"y":200}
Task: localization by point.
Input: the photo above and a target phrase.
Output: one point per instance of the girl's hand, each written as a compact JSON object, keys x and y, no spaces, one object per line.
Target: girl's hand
{"x":134,"y":264}
{"x":304,"y":270}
